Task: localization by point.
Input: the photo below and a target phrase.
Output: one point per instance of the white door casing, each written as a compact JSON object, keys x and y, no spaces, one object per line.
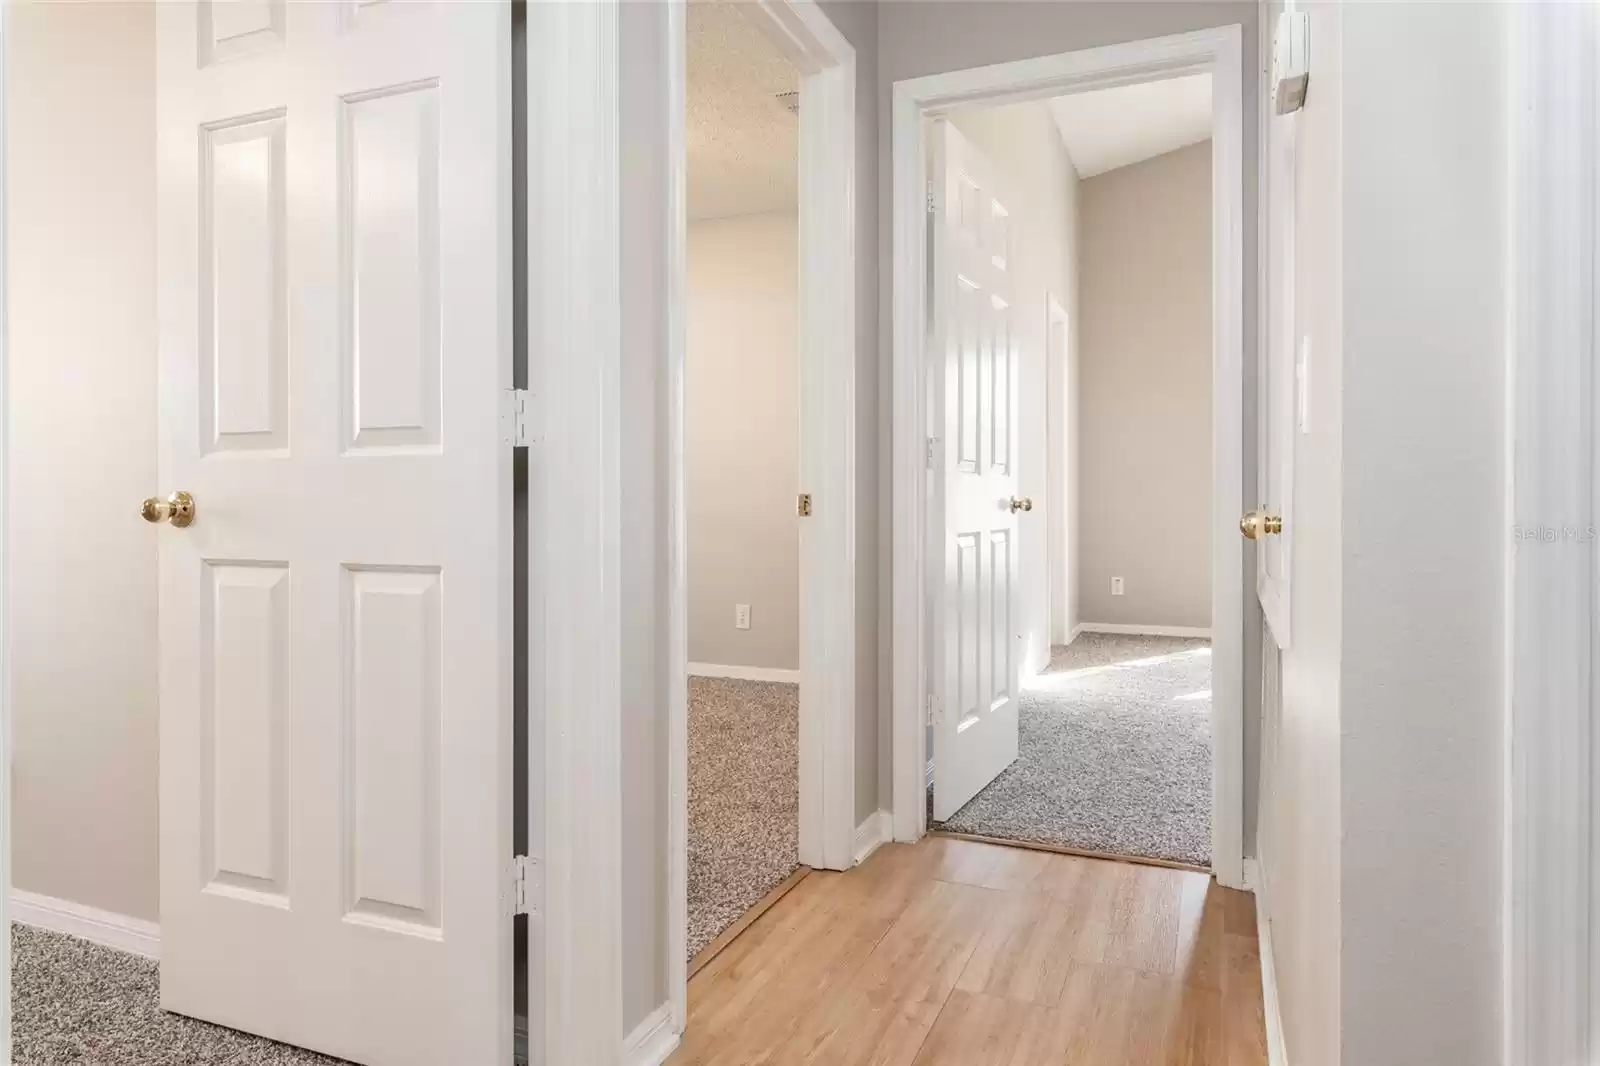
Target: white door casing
{"x":1215,"y":51}
{"x":334,"y":278}
{"x":973,"y":368}
{"x":1060,"y":462}
{"x":1281,"y":368}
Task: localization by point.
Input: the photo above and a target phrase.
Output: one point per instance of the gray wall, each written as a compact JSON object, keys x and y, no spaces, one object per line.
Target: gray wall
{"x":80,"y":127}
{"x":919,"y":37}
{"x":742,"y":439}
{"x":1383,"y":817}
{"x":1425,"y":302}
{"x":1145,"y":391}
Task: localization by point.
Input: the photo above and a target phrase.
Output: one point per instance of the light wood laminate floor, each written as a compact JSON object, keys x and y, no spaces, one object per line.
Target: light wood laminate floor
{"x":956,"y":952}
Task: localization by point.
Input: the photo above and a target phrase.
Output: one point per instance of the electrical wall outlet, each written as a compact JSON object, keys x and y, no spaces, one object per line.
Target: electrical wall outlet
{"x":1116,"y":586}
{"x":741,"y":616}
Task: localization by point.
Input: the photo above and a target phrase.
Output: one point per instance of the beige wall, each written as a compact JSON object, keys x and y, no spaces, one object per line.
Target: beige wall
{"x":1023,"y":145}
{"x":741,"y":440}
{"x":1145,"y":395}
{"x":80,"y":153}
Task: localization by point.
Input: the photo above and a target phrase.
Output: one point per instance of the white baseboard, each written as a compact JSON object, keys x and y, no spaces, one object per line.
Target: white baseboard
{"x":1277,"y":1052}
{"x":652,"y":1040}
{"x":745,"y":673}
{"x":1143,"y":630}
{"x":118,"y":931}
{"x":876,"y":830}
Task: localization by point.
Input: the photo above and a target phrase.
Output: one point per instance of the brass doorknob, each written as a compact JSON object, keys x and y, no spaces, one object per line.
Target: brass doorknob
{"x":1258,"y":524}
{"x":1024,"y":503}
{"x":177,"y":509}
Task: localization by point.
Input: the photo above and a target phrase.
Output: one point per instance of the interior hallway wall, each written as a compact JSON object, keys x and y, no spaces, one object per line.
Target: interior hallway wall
{"x":1382,"y":871}
{"x":921,"y":37}
{"x":1299,"y":837}
{"x":742,"y":439}
{"x":81,"y":297}
{"x":1023,"y":144}
{"x":1422,"y":712}
{"x":1145,"y":395}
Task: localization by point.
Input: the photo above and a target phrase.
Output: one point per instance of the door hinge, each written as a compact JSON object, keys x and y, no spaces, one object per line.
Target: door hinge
{"x":930,"y":197}
{"x":933,"y":451}
{"x":802,"y":505}
{"x":930,"y":709}
{"x":526,"y":889}
{"x":515,"y":422}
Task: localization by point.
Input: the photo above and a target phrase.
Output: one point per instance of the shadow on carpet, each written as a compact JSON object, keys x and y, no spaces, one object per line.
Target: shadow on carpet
{"x":1114,"y":753}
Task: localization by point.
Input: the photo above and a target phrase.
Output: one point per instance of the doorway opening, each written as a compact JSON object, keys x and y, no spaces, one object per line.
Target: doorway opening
{"x":1068,"y":669}
{"x":761,"y":728}
{"x":741,"y":472}
{"x":1106,"y":201}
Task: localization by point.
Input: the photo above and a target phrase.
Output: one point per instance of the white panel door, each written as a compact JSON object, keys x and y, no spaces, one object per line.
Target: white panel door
{"x":974,"y":369}
{"x":1282,"y":373}
{"x":334,"y":225}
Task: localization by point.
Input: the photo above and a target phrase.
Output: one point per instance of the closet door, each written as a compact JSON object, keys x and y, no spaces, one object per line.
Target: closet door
{"x":335,"y":338}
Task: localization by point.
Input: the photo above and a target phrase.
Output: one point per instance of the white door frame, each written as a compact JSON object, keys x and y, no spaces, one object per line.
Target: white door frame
{"x":827,"y":359}
{"x":574,"y":294}
{"x":5,"y":566}
{"x":574,"y":100}
{"x":1215,"y":51}
{"x":1552,"y":893}
{"x":1061,"y":440}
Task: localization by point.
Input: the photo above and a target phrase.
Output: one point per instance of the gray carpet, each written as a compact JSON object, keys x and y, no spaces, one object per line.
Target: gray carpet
{"x":1114,"y":754}
{"x":744,"y":798}
{"x":73,"y":1002}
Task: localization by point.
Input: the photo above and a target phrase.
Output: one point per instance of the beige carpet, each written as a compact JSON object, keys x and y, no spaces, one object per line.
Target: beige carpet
{"x":744,"y":798}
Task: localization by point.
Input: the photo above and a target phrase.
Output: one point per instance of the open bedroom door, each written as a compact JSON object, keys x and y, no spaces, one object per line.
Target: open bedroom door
{"x":974,"y":368}
{"x":335,"y":525}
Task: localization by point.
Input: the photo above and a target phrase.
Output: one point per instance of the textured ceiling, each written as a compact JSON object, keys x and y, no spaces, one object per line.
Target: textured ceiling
{"x":742,"y":142}
{"x":1114,"y":127}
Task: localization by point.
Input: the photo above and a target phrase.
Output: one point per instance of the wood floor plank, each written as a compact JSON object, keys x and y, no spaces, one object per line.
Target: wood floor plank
{"x":1244,"y":1014}
{"x":746,"y":1004}
{"x":932,"y":955}
{"x":1240,"y":911}
{"x":978,"y":1030}
{"x":1026,"y":951}
{"x":968,"y":862}
{"x":745,"y":920}
{"x":1142,"y":929}
{"x":882,"y":1017}
{"x":1097,"y":1022}
{"x":1199,"y":959}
